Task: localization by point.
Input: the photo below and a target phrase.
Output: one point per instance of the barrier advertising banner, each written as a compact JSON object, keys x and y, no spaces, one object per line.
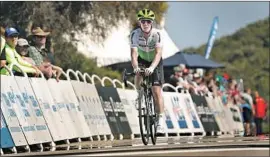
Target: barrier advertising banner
{"x":50,"y":111}
{"x":216,"y":112}
{"x":95,"y":110}
{"x":89,"y":112}
{"x":190,"y":109}
{"x":226,"y":120}
{"x":5,"y":139}
{"x":128,"y":98}
{"x":114,"y":110}
{"x":206,"y":116}
{"x":237,"y":118}
{"x":174,"y":112}
{"x":10,"y":115}
{"x":16,"y":107}
{"x":33,"y":106}
{"x":63,"y":108}
{"x":74,"y":108}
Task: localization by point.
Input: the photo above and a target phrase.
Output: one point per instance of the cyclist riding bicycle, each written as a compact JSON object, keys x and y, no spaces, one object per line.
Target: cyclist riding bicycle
{"x":146,"y":50}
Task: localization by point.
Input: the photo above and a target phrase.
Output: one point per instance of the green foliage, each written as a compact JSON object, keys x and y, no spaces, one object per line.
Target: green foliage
{"x":245,"y":54}
{"x":67,"y":18}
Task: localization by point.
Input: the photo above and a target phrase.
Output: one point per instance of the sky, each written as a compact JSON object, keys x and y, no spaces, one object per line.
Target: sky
{"x":189,"y":23}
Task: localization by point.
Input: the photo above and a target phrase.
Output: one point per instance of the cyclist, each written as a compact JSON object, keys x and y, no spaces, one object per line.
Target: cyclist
{"x":146,"y":49}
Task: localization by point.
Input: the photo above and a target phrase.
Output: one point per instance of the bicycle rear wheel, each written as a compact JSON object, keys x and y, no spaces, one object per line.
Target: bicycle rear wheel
{"x":144,"y":120}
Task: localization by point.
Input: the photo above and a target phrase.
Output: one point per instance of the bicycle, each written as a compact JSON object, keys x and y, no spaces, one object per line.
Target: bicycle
{"x":147,"y":115}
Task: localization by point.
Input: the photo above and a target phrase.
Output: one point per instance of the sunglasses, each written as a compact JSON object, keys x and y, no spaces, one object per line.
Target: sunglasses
{"x":13,"y":36}
{"x":38,"y":36}
{"x":146,"y":21}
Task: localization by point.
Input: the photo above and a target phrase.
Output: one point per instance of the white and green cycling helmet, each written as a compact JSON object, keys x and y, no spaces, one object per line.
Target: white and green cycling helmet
{"x":146,"y":14}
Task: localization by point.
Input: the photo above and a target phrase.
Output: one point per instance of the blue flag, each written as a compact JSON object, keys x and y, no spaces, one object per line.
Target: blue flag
{"x":211,"y":38}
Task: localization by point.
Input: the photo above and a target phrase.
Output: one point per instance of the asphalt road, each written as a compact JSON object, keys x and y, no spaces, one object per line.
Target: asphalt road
{"x":235,"y":146}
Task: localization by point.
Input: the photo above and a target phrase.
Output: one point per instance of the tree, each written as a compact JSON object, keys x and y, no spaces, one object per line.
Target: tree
{"x":65,"y":19}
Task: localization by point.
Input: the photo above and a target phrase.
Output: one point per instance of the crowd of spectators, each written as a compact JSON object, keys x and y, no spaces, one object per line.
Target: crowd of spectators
{"x":252,"y":106}
{"x":32,"y":59}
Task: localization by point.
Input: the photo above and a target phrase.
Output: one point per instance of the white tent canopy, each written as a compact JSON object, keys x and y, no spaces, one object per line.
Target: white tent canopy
{"x":116,"y":47}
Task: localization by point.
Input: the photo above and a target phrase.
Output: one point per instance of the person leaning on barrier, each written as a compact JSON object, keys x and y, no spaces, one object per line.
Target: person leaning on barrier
{"x":3,"y":43}
{"x":12,"y":57}
{"x":174,"y":79}
{"x":21,"y":48}
{"x":39,"y":54}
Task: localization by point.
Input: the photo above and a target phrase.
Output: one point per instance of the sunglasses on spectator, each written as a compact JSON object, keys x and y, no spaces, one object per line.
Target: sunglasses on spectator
{"x":13,"y":36}
{"x":146,"y":21}
{"x":39,"y":36}
{"x":25,"y":46}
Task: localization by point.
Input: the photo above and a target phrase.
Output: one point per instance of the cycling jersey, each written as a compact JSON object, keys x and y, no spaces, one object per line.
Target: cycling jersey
{"x":146,"y":47}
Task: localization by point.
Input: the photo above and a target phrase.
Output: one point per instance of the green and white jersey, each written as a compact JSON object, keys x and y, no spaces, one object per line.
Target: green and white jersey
{"x":146,"y":47}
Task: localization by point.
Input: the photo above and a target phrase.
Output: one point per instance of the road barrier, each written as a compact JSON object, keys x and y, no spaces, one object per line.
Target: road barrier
{"x":36,"y":112}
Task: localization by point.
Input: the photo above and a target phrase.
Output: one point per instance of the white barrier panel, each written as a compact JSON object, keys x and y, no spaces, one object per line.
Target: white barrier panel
{"x":54,"y":121}
{"x":17,"y":107}
{"x":174,"y":112}
{"x":128,"y":98}
{"x":9,"y":112}
{"x":221,"y":111}
{"x":43,"y":134}
{"x":237,"y":118}
{"x":89,"y":111}
{"x":75,"y":110}
{"x":214,"y":108}
{"x":192,"y":117}
{"x":64,"y":111}
{"x":95,"y":104}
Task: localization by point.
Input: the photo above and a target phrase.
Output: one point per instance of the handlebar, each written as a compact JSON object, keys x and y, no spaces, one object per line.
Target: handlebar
{"x":125,"y":74}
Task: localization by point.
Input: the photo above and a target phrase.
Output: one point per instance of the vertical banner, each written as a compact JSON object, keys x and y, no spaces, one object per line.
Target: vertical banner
{"x":114,"y":110}
{"x":5,"y":139}
{"x":205,"y":114}
{"x":211,"y":38}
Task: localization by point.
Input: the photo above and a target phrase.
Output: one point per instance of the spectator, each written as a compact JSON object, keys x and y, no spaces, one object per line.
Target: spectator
{"x":247,"y":114}
{"x":199,"y":84}
{"x":40,"y":55}
{"x":174,"y":79}
{"x":21,"y":48}
{"x":184,"y":80}
{"x":3,"y":43}
{"x":221,"y":90}
{"x":211,"y":83}
{"x":260,"y":111}
{"x":247,"y":95}
{"x":11,"y":35}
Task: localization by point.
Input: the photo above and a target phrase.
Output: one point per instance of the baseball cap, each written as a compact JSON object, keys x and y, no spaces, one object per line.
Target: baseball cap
{"x":11,"y":31}
{"x":22,"y":42}
{"x":177,"y":69}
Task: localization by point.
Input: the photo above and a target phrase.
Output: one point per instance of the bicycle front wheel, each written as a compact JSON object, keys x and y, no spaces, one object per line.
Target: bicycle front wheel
{"x":153,"y":123}
{"x":144,"y":121}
